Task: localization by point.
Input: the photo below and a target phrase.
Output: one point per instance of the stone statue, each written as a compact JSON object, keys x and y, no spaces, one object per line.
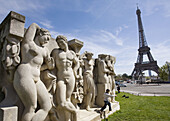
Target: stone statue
{"x":110,"y":63}
{"x":104,"y":77}
{"x":102,"y":69}
{"x":77,"y":95}
{"x":27,"y":81}
{"x":89,"y":85}
{"x":66,"y":65}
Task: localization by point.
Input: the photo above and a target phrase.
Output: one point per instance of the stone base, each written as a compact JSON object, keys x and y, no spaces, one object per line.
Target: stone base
{"x":92,"y":115}
{"x":9,"y":113}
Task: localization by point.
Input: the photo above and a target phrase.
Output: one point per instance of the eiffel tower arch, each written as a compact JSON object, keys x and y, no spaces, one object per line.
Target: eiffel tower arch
{"x":143,"y":50}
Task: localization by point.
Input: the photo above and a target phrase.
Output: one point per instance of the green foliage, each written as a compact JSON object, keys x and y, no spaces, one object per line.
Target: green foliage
{"x":118,"y":77}
{"x":141,"y":108}
{"x":123,"y":77}
{"x":163,"y":72}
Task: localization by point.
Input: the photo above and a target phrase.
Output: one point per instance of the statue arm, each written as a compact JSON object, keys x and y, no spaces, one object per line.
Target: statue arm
{"x":76,"y":65}
{"x":30,"y":33}
{"x":49,"y":62}
{"x":83,"y":55}
{"x":104,"y":69}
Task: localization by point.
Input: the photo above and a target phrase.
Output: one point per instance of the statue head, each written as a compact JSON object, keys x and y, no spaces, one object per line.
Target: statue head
{"x":103,"y":56}
{"x":88,"y":55}
{"x":44,"y":36}
{"x":112,"y":58}
{"x":61,"y":41}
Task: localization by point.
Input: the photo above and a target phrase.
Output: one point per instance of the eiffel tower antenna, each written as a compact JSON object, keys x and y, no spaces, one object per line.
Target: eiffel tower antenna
{"x":142,"y":65}
{"x":137,"y":5}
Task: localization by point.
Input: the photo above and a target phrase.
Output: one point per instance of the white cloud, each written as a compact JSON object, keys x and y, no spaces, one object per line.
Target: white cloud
{"x":110,"y":36}
{"x":29,"y":8}
{"x":99,"y":36}
{"x":152,"y":7}
{"x":161,"y":52}
{"x":118,"y":31}
{"x":98,"y":49}
{"x":19,"y":5}
{"x":46,"y":24}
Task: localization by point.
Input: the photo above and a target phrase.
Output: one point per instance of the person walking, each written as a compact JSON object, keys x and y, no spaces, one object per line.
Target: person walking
{"x":118,"y":89}
{"x":106,"y":101}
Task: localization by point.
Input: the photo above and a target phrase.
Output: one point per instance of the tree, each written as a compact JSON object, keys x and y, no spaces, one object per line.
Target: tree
{"x":125,"y":77}
{"x":118,"y":77}
{"x":163,"y":72}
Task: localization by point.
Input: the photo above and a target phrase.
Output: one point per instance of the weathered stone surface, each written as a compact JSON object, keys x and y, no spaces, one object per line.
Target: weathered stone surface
{"x":11,"y":34}
{"x":101,"y":89}
{"x":75,"y":45}
{"x":9,"y":114}
{"x":89,"y":85}
{"x":13,"y":24}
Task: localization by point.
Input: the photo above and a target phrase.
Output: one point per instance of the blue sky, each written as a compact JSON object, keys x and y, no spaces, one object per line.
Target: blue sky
{"x":105,"y":26}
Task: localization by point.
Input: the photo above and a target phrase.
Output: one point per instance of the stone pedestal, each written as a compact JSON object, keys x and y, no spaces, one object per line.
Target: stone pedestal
{"x":9,"y":113}
{"x":92,"y":115}
{"x":101,"y":89}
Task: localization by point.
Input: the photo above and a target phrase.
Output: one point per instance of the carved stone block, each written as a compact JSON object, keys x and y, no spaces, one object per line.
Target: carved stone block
{"x":13,"y":24}
{"x":9,"y":113}
{"x":75,"y":45}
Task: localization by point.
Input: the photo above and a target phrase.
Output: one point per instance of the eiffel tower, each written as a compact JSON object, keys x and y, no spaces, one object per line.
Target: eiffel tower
{"x":143,"y":50}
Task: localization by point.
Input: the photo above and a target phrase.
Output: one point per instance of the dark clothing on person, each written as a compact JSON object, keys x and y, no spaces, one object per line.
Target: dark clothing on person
{"x":105,"y":104}
{"x":118,"y":89}
{"x":106,"y":101}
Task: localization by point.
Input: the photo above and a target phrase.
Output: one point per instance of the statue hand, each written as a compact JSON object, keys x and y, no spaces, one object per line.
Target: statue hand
{"x":50,"y":63}
{"x":79,"y":77}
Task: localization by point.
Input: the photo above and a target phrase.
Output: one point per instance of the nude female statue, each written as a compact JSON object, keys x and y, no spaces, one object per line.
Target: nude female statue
{"x":27,"y":81}
{"x":67,"y":65}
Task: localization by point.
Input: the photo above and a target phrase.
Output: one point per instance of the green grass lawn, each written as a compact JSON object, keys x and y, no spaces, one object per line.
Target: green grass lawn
{"x":141,"y":108}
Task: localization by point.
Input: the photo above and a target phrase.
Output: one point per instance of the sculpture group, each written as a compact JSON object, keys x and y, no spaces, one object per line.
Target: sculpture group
{"x":49,"y":79}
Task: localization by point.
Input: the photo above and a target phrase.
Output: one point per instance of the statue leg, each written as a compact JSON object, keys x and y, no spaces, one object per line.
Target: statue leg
{"x":26,"y":90}
{"x":93,"y":97}
{"x":88,"y":100}
{"x":70,"y":87}
{"x":61,"y":99}
{"x":44,"y":102}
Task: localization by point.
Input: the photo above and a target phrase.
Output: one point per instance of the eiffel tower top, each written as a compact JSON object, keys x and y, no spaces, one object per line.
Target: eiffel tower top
{"x":142,"y":39}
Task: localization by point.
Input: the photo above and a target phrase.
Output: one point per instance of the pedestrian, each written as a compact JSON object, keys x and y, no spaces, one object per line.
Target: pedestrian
{"x":106,"y":100}
{"x":118,"y":89}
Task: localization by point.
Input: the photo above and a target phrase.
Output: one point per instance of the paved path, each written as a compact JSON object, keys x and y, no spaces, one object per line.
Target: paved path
{"x":147,"y":89}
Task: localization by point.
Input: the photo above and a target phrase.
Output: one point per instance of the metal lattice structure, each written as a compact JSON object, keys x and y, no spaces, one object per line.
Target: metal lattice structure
{"x":142,"y":65}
